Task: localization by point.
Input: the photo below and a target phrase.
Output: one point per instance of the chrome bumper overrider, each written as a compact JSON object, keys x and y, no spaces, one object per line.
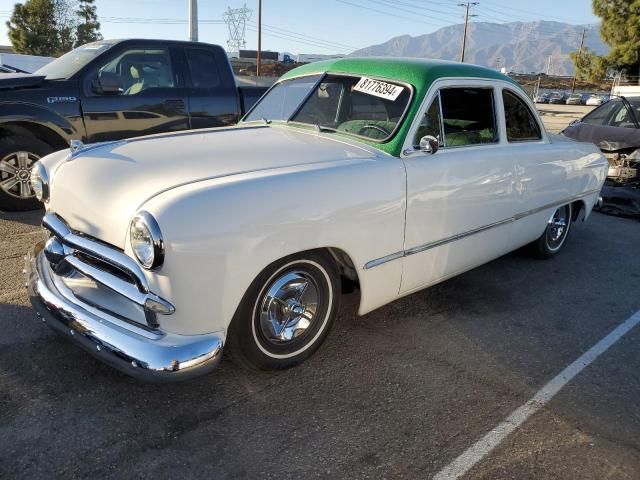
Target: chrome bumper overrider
{"x":144,"y":353}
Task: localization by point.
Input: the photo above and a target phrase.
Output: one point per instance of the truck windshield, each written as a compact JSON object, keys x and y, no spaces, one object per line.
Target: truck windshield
{"x":354,"y":105}
{"x":67,"y":65}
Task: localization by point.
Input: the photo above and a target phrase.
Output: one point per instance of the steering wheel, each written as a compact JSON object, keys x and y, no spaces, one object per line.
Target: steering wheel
{"x":374,"y":127}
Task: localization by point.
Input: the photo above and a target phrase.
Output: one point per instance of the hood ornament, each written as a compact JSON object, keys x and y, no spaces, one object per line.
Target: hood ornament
{"x":76,"y":145}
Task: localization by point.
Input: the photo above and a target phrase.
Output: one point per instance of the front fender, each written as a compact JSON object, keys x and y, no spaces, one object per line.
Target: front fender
{"x":219,"y":234}
{"x":36,"y":114}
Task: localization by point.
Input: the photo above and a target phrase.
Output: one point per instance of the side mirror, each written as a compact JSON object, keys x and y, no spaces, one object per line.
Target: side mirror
{"x":429,"y":144}
{"x":109,"y":83}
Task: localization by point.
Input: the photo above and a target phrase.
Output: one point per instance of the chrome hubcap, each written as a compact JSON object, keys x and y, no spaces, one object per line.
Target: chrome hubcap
{"x":557,"y":228}
{"x":15,"y":170}
{"x":288,"y":307}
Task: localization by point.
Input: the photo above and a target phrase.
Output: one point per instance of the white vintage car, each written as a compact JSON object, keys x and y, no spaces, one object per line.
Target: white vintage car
{"x":391,"y":175}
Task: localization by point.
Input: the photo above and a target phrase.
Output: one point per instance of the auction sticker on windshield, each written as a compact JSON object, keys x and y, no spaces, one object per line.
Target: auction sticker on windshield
{"x":385,"y":90}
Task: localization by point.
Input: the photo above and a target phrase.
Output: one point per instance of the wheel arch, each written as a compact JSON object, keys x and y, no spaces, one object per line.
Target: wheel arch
{"x":578,"y":210}
{"x":32,"y":129}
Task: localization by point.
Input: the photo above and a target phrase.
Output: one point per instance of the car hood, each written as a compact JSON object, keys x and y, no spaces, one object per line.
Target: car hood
{"x":100,"y":188}
{"x":608,"y":139}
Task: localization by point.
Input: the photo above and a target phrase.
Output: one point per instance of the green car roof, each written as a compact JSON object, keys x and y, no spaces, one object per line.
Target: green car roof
{"x":420,"y":73}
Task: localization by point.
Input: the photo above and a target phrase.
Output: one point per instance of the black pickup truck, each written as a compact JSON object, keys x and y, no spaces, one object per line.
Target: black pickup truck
{"x":110,"y":90}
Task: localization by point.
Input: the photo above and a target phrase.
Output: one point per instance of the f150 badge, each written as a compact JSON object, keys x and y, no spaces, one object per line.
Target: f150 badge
{"x":61,"y":99}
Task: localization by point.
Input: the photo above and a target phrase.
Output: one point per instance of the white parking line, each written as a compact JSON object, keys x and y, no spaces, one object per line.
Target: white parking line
{"x":491,"y":440}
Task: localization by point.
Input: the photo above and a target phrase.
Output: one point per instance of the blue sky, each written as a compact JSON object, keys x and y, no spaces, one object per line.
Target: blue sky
{"x":313,"y":26}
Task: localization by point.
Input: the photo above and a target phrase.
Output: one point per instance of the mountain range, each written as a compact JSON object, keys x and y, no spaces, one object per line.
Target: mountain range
{"x":521,"y":47}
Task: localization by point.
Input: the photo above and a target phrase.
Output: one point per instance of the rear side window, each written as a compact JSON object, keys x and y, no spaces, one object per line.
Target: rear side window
{"x":203,"y":68}
{"x":468,"y":116}
{"x":520,"y":122}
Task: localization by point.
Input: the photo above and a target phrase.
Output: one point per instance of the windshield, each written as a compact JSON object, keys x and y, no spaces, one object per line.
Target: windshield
{"x":358,"y":106}
{"x":66,"y":66}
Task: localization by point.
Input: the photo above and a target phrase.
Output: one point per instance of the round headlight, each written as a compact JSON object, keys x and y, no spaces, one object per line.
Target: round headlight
{"x":40,"y":182}
{"x":146,"y":240}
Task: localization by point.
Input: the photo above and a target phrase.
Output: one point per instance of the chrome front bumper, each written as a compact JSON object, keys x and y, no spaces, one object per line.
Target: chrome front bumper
{"x":144,"y":353}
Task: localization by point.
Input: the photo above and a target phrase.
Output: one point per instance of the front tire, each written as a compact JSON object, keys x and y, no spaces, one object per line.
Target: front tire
{"x":554,"y":236}
{"x":286,"y":313}
{"x":17,"y":156}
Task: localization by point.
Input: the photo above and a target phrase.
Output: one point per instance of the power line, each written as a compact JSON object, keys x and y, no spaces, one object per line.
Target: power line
{"x":291,"y":33}
{"x":388,"y":14}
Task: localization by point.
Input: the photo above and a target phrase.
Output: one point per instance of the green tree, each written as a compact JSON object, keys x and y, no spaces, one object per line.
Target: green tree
{"x":620,"y":29}
{"x":52,"y":27}
{"x":88,"y":29}
{"x":31,"y":28}
{"x":590,"y":66}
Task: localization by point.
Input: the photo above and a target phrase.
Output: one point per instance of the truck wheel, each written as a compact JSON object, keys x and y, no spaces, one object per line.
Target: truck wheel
{"x":554,"y":236}
{"x":286,"y":313}
{"x":17,"y":156}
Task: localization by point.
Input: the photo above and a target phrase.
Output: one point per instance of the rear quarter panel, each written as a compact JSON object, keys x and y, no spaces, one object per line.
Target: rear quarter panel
{"x":561,"y":171}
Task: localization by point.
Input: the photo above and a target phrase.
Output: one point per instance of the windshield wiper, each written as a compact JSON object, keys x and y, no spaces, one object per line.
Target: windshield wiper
{"x":319,"y":128}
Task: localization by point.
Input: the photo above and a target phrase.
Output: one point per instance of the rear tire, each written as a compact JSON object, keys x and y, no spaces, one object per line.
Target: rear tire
{"x":555,"y":235}
{"x":17,"y":156}
{"x":286,"y":313}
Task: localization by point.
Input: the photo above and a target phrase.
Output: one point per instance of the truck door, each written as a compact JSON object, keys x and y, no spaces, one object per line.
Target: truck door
{"x":136,"y":91}
{"x":212,"y":91}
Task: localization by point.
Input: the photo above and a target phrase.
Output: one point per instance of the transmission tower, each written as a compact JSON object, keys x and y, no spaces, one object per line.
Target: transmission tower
{"x":236,"y":19}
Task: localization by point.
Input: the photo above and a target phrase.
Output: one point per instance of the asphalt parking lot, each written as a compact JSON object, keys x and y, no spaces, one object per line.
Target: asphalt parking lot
{"x":398,"y":393}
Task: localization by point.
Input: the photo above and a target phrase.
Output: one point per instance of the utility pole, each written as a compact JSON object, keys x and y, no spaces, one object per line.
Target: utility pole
{"x":575,"y":74}
{"x":193,"y":20}
{"x":549,"y":65}
{"x":466,"y":21}
{"x":258,"y":60}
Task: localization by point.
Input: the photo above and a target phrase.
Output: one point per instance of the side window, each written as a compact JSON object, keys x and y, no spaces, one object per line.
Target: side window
{"x":520,"y":122}
{"x":138,"y":70}
{"x":468,"y":116}
{"x":602,"y":114}
{"x":203,"y":67}
{"x":430,"y":123}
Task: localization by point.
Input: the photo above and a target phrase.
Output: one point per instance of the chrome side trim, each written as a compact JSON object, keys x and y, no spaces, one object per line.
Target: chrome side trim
{"x":59,"y":228}
{"x":484,"y":228}
{"x":453,"y":238}
{"x":380,"y":261}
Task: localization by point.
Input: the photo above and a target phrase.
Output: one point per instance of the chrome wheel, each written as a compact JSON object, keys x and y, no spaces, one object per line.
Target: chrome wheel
{"x":15,"y":170}
{"x":558,"y":228}
{"x":287,"y":310}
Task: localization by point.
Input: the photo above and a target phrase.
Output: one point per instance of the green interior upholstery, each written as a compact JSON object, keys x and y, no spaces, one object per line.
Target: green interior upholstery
{"x":458,"y":139}
{"x":355,"y":126}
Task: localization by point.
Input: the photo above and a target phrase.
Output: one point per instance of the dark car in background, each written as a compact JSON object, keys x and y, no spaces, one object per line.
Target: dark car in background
{"x":111,"y":90}
{"x":614,"y":127}
{"x":541,"y":98}
{"x":557,"y":98}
